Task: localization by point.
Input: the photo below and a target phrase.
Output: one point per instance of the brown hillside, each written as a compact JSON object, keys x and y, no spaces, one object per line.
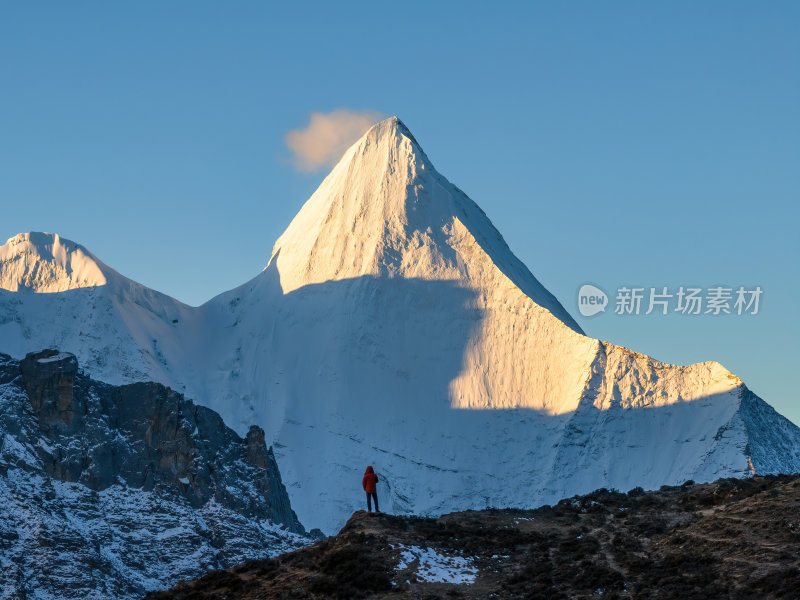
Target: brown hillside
{"x":728,"y":539}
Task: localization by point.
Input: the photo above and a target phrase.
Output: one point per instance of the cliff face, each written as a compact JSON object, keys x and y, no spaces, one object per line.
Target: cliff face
{"x":119,"y":490}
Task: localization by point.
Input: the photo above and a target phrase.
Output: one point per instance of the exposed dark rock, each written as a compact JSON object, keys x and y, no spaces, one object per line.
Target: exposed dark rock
{"x":109,"y":491}
{"x":49,"y":377}
{"x":147,"y":435}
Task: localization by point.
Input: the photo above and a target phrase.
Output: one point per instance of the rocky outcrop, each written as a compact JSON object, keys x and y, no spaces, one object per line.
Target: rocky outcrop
{"x":134,"y":480}
{"x":49,"y":378}
{"x":728,"y":539}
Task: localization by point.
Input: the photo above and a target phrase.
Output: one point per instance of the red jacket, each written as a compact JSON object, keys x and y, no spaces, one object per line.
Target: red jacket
{"x":369,"y":481}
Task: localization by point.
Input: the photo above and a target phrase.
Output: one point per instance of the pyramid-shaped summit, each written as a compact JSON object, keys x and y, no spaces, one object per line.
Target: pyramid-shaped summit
{"x":394,"y":327}
{"x":384,"y":210}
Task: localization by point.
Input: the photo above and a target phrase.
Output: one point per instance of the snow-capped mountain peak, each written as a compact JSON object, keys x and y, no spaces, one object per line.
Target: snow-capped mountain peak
{"x":45,"y":262}
{"x":393,"y":326}
{"x":54,"y":292}
{"x":385,"y":211}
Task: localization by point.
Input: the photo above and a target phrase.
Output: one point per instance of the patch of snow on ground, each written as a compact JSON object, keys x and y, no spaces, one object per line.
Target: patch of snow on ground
{"x":436,"y":567}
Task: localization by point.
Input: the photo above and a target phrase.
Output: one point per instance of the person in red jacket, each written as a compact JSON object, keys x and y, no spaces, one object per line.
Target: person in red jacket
{"x":369,"y":483}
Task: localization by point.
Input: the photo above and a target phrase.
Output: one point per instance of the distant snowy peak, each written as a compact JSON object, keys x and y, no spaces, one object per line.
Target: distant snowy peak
{"x":119,"y":329}
{"x":385,"y":211}
{"x":45,"y":262}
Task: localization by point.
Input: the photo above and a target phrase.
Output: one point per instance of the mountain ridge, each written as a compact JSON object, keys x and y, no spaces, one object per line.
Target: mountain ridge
{"x":109,"y":492}
{"x":726,"y":539}
{"x":393,"y":326}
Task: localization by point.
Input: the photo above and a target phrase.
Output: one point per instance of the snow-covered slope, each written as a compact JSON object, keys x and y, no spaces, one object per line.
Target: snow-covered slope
{"x":56,"y":294}
{"x":394,"y":327}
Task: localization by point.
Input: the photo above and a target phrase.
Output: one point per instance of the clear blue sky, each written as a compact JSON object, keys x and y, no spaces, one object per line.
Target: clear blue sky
{"x":619,"y":143}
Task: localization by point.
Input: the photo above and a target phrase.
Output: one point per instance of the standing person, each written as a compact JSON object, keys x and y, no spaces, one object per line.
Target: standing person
{"x":369,"y":483}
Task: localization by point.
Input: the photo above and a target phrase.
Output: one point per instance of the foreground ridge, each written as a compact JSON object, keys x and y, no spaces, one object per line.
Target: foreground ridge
{"x":731,"y":538}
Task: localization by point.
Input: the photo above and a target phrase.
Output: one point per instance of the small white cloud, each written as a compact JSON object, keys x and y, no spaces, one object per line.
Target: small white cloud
{"x":327,"y":136}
